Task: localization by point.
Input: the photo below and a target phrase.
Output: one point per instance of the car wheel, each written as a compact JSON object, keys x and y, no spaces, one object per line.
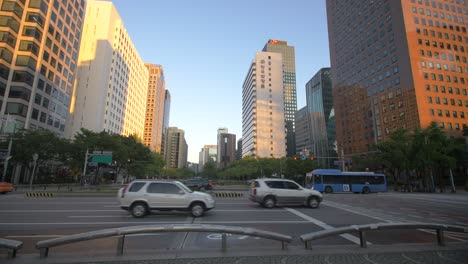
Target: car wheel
{"x":313,"y":202}
{"x":197,"y":209}
{"x":202,"y":189}
{"x":328,"y":189}
{"x":269,"y":202}
{"x":365,"y":190}
{"x":139,"y":210}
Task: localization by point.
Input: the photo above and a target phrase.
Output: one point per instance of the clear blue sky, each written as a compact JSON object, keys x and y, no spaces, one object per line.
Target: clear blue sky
{"x":206,"y":48}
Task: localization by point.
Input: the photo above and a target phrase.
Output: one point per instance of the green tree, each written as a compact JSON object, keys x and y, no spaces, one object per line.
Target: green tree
{"x":209,"y":170}
{"x":48,"y":147}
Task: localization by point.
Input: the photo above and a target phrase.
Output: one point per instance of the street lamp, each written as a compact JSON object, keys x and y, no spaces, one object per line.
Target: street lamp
{"x":35,"y":156}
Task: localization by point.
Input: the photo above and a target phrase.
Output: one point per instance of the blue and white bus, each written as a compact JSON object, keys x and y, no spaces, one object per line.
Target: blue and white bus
{"x":332,"y":180}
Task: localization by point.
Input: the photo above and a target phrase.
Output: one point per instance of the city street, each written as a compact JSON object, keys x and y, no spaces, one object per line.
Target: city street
{"x":34,"y":219}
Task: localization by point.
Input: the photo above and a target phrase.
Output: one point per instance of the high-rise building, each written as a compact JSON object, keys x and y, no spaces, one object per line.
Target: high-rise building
{"x":239,"y":149}
{"x":397,"y":64}
{"x":289,"y":86}
{"x":165,"y":126}
{"x":319,"y":100}
{"x":207,"y":153}
{"x":176,"y":148}
{"x":303,"y":131}
{"x":112,"y":81}
{"x":221,"y":130}
{"x":155,"y":108}
{"x":38,"y":58}
{"x":226,"y":150}
{"x":263,"y":125}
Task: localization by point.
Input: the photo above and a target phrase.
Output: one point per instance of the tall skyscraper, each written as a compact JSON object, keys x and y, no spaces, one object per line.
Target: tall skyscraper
{"x":263,"y":115}
{"x":155,"y":107}
{"x":289,"y":86}
{"x":112,"y":81}
{"x":176,"y":148}
{"x":38,"y":58}
{"x":167,"y":110}
{"x":397,"y":64}
{"x":221,"y":130}
{"x":226,"y":150}
{"x":319,"y":100}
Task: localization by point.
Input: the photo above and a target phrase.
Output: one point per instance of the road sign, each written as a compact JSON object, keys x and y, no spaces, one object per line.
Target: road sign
{"x":102,"y":158}
{"x":92,"y":164}
{"x":3,"y":155}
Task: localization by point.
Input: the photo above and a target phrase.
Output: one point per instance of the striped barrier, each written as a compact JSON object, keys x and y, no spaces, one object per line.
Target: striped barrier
{"x":229,"y":195}
{"x":39,"y":194}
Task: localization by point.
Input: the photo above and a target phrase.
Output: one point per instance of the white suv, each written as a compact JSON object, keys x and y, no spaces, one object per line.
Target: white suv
{"x":272,"y":192}
{"x":141,"y":196}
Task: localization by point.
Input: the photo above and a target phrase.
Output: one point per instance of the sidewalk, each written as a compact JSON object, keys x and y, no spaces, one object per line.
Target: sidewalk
{"x":402,"y":253}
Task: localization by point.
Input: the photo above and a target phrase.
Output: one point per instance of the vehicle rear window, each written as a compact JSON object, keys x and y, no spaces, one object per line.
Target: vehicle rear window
{"x":136,"y":186}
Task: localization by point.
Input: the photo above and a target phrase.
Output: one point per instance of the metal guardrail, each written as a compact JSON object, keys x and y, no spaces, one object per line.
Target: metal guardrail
{"x":363,"y":229}
{"x":11,"y":245}
{"x":121,"y":232}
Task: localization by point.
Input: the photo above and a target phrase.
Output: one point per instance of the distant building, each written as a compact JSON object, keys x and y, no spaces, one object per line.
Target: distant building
{"x":193,"y":167}
{"x":239,"y":149}
{"x":111,"y":87}
{"x":39,"y":46}
{"x":226,"y":150}
{"x":289,"y":86}
{"x":263,"y":125}
{"x":221,"y":130}
{"x":176,"y":148}
{"x":208,"y":153}
{"x":303,"y":131}
{"x":155,"y":108}
{"x":165,"y":126}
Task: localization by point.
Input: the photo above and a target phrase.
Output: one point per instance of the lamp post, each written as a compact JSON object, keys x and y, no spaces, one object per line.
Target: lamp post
{"x":35,"y":156}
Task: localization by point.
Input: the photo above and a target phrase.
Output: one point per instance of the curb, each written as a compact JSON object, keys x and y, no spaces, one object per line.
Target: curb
{"x":39,"y":194}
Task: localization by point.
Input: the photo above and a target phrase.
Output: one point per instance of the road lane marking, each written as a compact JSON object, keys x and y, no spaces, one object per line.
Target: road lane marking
{"x":55,"y":211}
{"x":97,"y":216}
{"x":388,"y":221}
{"x":410,"y":259}
{"x":349,"y":237}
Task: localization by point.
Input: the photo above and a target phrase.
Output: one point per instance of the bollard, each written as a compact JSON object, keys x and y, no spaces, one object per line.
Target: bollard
{"x":120,"y":245}
{"x":224,"y":241}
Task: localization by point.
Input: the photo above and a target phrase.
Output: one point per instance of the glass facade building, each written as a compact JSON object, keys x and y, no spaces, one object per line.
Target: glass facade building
{"x":319,"y":100}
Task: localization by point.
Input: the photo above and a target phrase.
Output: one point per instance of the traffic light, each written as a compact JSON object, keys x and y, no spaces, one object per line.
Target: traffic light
{"x":295,"y":157}
{"x":312,"y":158}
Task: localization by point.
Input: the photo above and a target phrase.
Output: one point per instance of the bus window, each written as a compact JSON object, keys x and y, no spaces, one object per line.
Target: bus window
{"x":317,"y":179}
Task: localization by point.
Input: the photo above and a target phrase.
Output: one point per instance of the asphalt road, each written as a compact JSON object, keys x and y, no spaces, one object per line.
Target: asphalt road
{"x":35,"y":219}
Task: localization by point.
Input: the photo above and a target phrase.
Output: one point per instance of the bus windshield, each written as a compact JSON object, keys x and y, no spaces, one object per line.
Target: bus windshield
{"x":330,"y":180}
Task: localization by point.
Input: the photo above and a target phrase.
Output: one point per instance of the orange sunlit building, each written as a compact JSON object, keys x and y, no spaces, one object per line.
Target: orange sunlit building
{"x":397,"y":64}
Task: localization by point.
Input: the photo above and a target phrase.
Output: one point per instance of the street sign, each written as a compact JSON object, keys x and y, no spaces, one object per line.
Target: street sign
{"x":102,"y":159}
{"x":3,"y":155}
{"x":92,"y":164}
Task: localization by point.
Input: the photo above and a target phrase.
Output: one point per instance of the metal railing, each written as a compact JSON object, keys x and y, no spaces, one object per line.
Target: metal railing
{"x":11,"y":245}
{"x":121,"y":232}
{"x":363,"y":229}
